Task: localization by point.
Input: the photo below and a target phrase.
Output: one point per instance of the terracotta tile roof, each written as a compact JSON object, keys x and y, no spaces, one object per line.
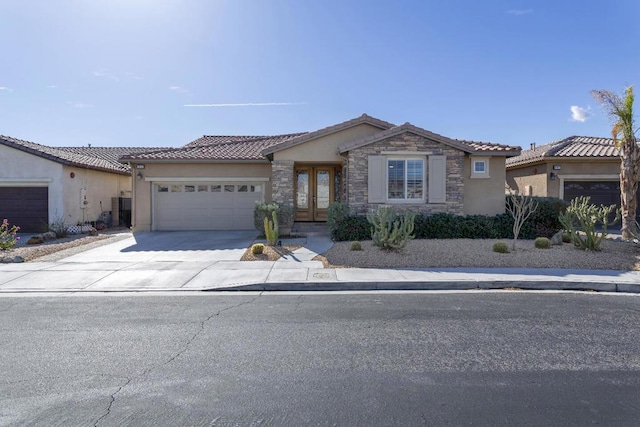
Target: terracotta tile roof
{"x":241,"y":148}
{"x":97,"y":158}
{"x":471,"y":147}
{"x":572,"y":147}
{"x":221,"y":139}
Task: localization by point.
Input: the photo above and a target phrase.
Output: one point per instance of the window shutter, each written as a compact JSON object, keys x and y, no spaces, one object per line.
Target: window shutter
{"x":377,"y":176}
{"x":437,"y":179}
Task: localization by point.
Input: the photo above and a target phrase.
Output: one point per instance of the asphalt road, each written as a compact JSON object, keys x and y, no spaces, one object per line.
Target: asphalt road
{"x":483,"y":358}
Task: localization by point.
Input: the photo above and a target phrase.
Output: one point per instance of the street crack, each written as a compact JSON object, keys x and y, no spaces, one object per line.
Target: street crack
{"x":172,"y":358}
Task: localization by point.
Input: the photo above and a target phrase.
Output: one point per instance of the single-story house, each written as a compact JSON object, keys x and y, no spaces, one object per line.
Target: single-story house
{"x":214,"y":182}
{"x":568,"y":168}
{"x":40,"y":185}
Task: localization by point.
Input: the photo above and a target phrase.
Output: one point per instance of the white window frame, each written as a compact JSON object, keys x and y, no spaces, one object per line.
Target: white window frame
{"x":485,"y":161}
{"x":424,"y":179}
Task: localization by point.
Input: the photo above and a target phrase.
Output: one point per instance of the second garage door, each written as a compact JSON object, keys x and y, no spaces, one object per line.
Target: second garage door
{"x":206,"y":206}
{"x":601,"y":192}
{"x":27,"y":207}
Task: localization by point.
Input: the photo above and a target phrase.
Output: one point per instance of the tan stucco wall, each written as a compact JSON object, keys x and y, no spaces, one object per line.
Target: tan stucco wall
{"x":324,"y":149}
{"x":535,"y":176}
{"x":142,"y":204}
{"x":100,"y":187}
{"x":538,"y":176}
{"x":24,"y":169}
{"x":485,"y":196}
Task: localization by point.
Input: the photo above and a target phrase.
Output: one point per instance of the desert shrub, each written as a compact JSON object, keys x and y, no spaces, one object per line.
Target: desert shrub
{"x":566,"y":237}
{"x":355,"y":246}
{"x":8,"y":237}
{"x":336,"y":212}
{"x":544,"y":221}
{"x":257,"y":248}
{"x":390,"y":230}
{"x":542,"y":243}
{"x":58,"y":227}
{"x":264,"y":210}
{"x":581,"y":219}
{"x":501,"y":247}
{"x":351,"y":228}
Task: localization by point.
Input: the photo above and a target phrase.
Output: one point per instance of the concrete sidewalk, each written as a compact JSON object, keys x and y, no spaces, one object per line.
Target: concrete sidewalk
{"x":294,"y":272}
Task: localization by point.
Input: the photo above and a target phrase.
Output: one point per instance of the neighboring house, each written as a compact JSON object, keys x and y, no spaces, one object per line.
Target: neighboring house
{"x":41,"y":184}
{"x":568,"y":168}
{"x":213,"y":182}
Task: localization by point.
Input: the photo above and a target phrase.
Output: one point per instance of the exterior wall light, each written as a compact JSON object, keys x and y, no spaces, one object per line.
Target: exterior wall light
{"x":552,"y":176}
{"x":139,"y":175}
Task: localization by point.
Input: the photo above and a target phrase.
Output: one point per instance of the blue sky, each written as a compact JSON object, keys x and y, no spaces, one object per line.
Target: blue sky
{"x":123,"y":72}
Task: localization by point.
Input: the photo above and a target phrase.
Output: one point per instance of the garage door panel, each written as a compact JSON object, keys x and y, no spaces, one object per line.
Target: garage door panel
{"x":205,"y":206}
{"x":27,"y":207}
{"x":601,"y":192}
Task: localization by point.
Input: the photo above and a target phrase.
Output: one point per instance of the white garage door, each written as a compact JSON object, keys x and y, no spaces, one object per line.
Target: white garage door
{"x":206,"y":206}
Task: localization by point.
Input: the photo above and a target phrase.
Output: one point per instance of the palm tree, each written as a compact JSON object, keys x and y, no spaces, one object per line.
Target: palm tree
{"x":620,"y":110}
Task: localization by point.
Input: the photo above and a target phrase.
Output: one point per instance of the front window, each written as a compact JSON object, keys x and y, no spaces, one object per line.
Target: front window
{"x":405,"y":179}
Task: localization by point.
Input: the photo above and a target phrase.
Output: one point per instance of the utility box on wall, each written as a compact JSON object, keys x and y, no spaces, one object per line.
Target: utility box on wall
{"x":83,"y":198}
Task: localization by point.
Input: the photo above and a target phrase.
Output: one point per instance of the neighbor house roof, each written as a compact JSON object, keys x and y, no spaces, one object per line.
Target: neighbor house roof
{"x":97,"y":158}
{"x":472,"y":147}
{"x":583,"y":147}
{"x":216,"y":148}
{"x":363,"y":119}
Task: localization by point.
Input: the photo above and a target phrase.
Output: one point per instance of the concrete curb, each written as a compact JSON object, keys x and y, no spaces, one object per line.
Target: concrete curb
{"x":433,"y":286}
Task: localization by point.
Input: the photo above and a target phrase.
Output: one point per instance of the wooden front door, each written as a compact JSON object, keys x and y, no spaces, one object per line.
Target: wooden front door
{"x":314,"y":192}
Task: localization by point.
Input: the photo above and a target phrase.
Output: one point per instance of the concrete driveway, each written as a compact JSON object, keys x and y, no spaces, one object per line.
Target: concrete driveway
{"x":157,"y":260}
{"x":207,"y":246}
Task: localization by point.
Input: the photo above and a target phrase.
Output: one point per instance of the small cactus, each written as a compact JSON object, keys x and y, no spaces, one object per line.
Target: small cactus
{"x":566,"y":237}
{"x":501,"y":247}
{"x":542,"y":243}
{"x":271,"y":229}
{"x":355,"y":246}
{"x":257,"y":248}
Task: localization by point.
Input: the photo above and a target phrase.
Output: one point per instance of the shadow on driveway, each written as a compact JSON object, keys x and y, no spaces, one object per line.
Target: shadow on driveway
{"x":191,"y":240}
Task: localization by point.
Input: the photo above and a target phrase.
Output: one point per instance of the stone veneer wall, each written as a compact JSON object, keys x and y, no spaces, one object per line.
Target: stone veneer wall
{"x":357,"y":173}
{"x":282,"y":184}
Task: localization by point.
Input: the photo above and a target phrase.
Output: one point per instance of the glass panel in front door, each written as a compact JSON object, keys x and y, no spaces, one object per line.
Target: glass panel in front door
{"x":302,"y":199}
{"x":323,"y":193}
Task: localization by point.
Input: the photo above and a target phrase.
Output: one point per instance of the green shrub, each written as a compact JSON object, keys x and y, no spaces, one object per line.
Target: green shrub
{"x":257,"y":248}
{"x":566,"y":237}
{"x":351,"y":228}
{"x":355,"y":246}
{"x":336,"y":212}
{"x":544,"y":221}
{"x":391,"y":231}
{"x":501,"y":247}
{"x":542,"y":243}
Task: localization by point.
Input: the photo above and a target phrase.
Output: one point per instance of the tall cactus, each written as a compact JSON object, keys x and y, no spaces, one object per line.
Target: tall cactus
{"x":271,"y":229}
{"x":391,"y":231}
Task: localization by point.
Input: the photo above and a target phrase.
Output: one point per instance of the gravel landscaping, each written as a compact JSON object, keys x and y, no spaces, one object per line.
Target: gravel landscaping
{"x":52,"y":250}
{"x":452,"y":253}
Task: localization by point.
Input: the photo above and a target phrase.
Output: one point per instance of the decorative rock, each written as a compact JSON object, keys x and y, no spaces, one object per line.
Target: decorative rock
{"x":7,"y":260}
{"x":18,"y":258}
{"x":556,"y":239}
{"x":49,"y":235}
{"x":35,"y":240}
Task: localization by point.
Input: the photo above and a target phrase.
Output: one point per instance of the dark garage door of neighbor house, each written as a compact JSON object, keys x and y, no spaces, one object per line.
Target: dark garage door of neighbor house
{"x":601,"y":192}
{"x":27,"y":207}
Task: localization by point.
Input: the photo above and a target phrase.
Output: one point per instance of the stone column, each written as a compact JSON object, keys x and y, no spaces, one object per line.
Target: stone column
{"x":282,"y":185}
